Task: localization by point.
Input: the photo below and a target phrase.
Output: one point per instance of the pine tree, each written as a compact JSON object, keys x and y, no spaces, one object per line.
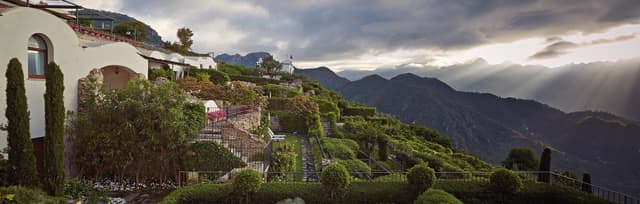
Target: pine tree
{"x":545,"y":165}
{"x":586,"y":183}
{"x":54,"y":131}
{"x":22,"y":162}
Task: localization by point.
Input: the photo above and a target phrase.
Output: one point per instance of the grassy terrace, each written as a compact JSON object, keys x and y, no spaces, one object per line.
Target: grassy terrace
{"x":295,"y":140}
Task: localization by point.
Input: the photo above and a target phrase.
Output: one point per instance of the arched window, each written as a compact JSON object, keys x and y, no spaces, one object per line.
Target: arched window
{"x":37,"y":56}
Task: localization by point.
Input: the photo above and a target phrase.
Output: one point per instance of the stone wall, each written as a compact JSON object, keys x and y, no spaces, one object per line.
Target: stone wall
{"x":249,"y":121}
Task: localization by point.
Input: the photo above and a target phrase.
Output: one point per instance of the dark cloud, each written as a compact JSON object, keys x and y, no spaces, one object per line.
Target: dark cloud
{"x":326,"y":29}
{"x":558,"y":48}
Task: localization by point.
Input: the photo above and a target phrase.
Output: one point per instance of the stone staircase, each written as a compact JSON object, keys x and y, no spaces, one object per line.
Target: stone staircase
{"x":238,"y":141}
{"x":326,"y":126}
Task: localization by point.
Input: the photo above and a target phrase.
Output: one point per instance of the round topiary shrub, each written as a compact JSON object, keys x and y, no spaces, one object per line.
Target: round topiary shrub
{"x":335,"y":179}
{"x":421,"y":177}
{"x":505,"y":181}
{"x":436,"y":196}
{"x":246,"y":182}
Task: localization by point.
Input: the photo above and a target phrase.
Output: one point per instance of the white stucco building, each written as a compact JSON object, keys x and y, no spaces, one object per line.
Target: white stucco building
{"x":37,"y":36}
{"x":160,"y":59}
{"x":287,"y":65}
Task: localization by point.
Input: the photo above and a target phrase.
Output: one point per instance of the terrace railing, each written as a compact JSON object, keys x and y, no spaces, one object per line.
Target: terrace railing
{"x":103,"y":35}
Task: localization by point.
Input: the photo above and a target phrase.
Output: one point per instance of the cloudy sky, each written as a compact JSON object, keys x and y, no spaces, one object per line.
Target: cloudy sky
{"x":368,"y":34}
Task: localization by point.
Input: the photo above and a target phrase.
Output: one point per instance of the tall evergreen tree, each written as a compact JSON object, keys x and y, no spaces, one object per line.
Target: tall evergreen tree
{"x":54,"y":131}
{"x":545,"y":165}
{"x":22,"y":162}
{"x":586,"y":183}
{"x":521,"y":159}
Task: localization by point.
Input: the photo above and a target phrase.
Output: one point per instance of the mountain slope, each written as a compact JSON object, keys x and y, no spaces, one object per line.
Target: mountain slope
{"x":605,"y":86}
{"x":152,"y":35}
{"x":248,"y":60}
{"x":598,"y":143}
{"x":325,"y":76}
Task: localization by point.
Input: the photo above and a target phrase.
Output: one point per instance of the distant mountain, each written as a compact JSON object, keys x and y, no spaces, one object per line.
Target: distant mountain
{"x":604,"y":86}
{"x":248,"y":60}
{"x":152,"y":36}
{"x":599,"y":143}
{"x":325,"y":76}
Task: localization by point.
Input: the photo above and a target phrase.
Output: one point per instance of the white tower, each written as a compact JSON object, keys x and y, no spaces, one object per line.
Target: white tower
{"x":287,"y":65}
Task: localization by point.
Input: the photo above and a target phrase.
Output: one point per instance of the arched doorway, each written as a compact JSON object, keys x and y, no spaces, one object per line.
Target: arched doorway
{"x":116,"y":77}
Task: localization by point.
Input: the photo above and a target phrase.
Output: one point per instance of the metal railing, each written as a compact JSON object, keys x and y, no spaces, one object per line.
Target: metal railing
{"x":103,"y":35}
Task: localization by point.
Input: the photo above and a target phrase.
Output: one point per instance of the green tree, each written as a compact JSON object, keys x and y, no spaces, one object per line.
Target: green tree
{"x":137,"y":133}
{"x":504,"y":181}
{"x":132,"y":29}
{"x":521,"y":159}
{"x":246,"y":182}
{"x":335,"y":179}
{"x":53,"y":178}
{"x":184,"y":35}
{"x":382,"y":147}
{"x":421,"y":177}
{"x":545,"y":166}
{"x":270,"y":64}
{"x":21,"y":164}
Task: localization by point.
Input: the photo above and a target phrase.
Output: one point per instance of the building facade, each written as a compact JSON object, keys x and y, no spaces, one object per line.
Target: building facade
{"x":35,"y":38}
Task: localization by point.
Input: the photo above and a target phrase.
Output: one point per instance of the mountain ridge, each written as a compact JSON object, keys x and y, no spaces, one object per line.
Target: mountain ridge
{"x":490,"y":126}
{"x":603,"y":86}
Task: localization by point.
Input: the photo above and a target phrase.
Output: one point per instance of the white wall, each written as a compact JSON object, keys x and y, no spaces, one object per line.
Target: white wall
{"x":18,"y":24}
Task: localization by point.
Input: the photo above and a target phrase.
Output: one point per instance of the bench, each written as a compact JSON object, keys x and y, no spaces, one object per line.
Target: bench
{"x":274,"y":136}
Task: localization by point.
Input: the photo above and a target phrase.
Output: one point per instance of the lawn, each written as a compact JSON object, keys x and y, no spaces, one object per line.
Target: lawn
{"x":295,"y":140}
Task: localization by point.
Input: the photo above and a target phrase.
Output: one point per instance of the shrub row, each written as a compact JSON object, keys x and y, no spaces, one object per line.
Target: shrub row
{"x":360,"y":111}
{"x":356,"y":168}
{"x":327,"y":106}
{"x":340,"y":148}
{"x":214,"y":76}
{"x":290,"y":122}
{"x":199,"y":156}
{"x":280,"y":91}
{"x":254,"y":79}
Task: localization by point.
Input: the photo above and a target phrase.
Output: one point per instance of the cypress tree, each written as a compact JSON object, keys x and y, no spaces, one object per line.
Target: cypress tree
{"x":382,"y":148}
{"x":22,"y":161}
{"x":545,"y":166}
{"x":54,"y":131}
{"x":586,"y":183}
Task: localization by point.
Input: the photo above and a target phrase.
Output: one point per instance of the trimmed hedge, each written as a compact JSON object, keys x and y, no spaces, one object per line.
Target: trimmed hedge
{"x":436,"y":196}
{"x":247,"y":181}
{"x":215,"y":76}
{"x":479,"y":192}
{"x":360,"y":111}
{"x":469,"y":192}
{"x":340,"y":148}
{"x":218,"y":77}
{"x":327,"y":106}
{"x":335,"y":180}
{"x":357,"y":168}
{"x":199,"y":157}
{"x":290,"y":122}
{"x":280,"y":91}
{"x":421,"y":177}
{"x":505,"y":181}
{"x":254,"y":79}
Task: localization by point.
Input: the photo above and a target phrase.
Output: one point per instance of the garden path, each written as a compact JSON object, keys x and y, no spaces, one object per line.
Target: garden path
{"x":308,"y":165}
